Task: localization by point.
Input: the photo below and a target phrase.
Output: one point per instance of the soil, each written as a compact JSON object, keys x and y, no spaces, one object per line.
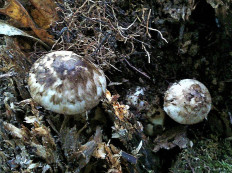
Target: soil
{"x":145,"y":45}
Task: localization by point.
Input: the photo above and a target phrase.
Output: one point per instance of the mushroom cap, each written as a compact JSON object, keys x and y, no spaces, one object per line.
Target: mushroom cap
{"x":187,"y":101}
{"x":66,"y":83}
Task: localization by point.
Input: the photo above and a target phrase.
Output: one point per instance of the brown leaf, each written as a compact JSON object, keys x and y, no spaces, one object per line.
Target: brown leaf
{"x":172,"y":138}
{"x":45,"y":13}
{"x":113,"y":159}
{"x":16,"y":11}
{"x":120,"y":110}
{"x":108,"y":96}
{"x":23,"y":133}
{"x":100,"y":152}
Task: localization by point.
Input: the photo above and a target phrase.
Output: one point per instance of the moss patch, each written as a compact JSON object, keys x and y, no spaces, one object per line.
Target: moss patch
{"x":205,"y":156}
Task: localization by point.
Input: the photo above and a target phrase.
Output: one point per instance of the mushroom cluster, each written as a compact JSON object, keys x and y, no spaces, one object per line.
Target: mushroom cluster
{"x":187,"y":101}
{"x":66,"y":83}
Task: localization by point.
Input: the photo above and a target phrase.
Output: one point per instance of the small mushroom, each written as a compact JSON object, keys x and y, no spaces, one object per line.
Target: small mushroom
{"x":66,"y":83}
{"x":187,"y":101}
{"x":134,"y":98}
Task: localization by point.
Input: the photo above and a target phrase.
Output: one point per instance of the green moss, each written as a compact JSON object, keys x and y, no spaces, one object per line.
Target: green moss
{"x":205,"y":156}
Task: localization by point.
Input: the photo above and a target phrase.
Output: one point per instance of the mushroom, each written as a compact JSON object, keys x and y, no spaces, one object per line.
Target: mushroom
{"x":134,"y":98}
{"x":66,"y":83}
{"x":187,"y":101}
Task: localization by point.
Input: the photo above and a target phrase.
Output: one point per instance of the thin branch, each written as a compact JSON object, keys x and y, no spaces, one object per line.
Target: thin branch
{"x":6,"y":75}
{"x":148,"y":54}
{"x":161,"y":35}
{"x":144,"y":74}
{"x":147,"y":26}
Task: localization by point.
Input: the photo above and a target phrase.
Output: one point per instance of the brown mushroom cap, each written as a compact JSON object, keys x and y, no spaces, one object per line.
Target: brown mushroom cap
{"x":66,"y":83}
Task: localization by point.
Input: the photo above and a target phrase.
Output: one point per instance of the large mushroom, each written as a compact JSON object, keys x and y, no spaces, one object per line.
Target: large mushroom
{"x":187,"y":101}
{"x":66,"y":83}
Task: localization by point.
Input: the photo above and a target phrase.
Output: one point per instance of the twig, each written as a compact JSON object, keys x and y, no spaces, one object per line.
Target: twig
{"x":103,"y":41}
{"x":144,"y":74}
{"x":6,"y":75}
{"x":143,"y":42}
{"x":128,"y":26}
{"x":161,"y":35}
{"x":147,"y":26}
{"x":148,"y":54}
{"x":52,"y":126}
{"x":114,"y":67}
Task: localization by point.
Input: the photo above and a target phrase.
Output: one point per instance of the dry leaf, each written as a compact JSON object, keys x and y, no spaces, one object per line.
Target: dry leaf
{"x":121,"y":111}
{"x":113,"y":159}
{"x":16,"y":11}
{"x":172,"y":138}
{"x":9,"y":30}
{"x":46,"y":150}
{"x":100,"y":152}
{"x":45,"y":13}
{"x":15,"y":131}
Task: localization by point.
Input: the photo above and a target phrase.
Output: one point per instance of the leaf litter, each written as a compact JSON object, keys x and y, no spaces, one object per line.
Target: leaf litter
{"x":136,"y":43}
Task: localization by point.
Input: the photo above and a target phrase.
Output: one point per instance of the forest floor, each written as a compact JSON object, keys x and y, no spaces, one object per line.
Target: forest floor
{"x":142,"y":46}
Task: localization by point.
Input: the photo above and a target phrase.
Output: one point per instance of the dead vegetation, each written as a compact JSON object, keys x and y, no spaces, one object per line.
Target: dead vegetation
{"x":137,"y":43}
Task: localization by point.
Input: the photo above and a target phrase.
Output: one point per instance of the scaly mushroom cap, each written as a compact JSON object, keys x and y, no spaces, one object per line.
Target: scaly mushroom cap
{"x":187,"y":102}
{"x":66,"y":83}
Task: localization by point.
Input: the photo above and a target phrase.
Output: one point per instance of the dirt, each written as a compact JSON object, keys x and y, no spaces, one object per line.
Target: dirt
{"x":143,"y":45}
